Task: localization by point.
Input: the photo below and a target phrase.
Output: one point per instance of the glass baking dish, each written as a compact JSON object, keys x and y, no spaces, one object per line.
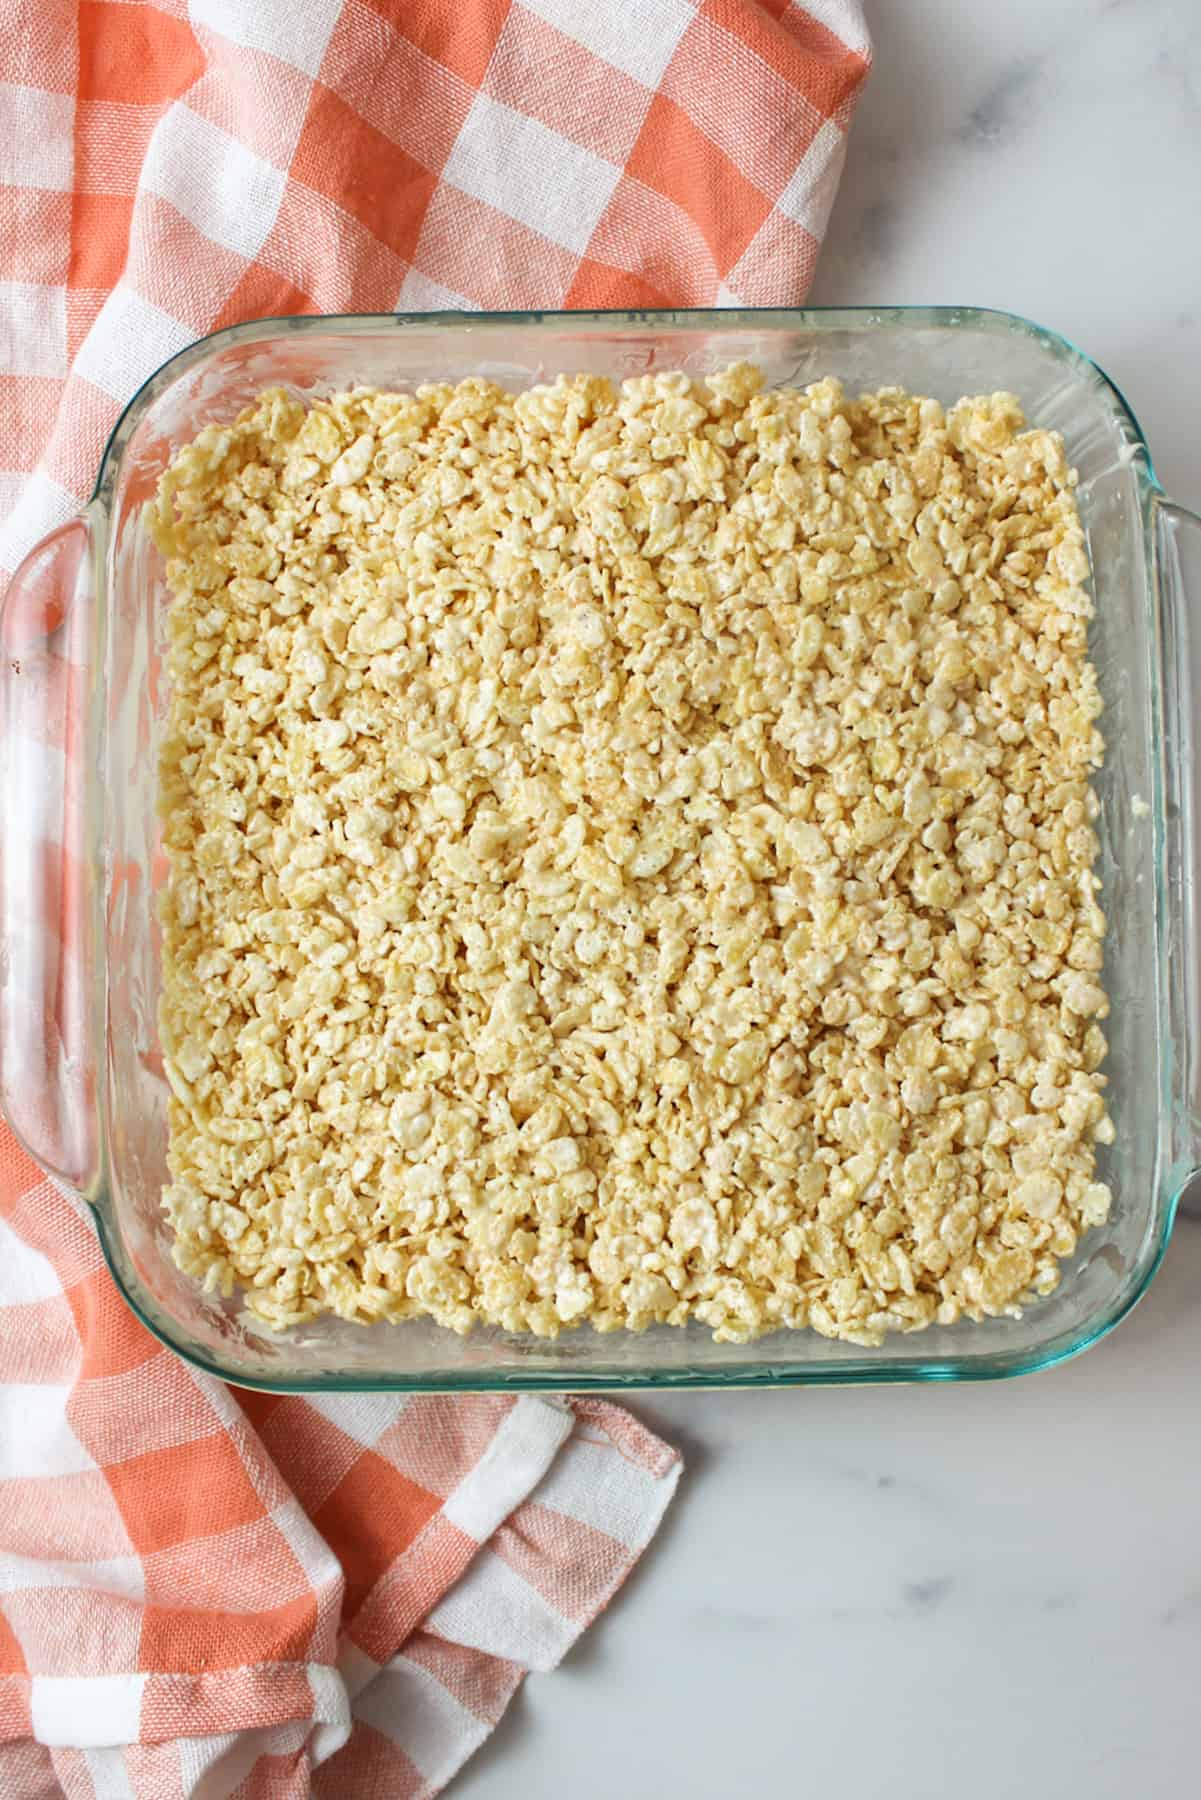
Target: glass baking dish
{"x":81,"y":707}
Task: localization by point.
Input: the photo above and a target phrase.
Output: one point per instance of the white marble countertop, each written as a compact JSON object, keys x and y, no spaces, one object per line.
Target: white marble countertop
{"x":932,"y":1592}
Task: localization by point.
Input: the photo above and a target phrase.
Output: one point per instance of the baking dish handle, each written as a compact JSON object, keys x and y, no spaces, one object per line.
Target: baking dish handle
{"x":1178,"y":580}
{"x":47,"y":960}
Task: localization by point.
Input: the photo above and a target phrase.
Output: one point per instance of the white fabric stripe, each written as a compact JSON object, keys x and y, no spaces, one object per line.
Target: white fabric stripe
{"x":34,"y":768}
{"x":123,"y":1575}
{"x":511,"y":1467}
{"x":86,"y":1712}
{"x":363,"y":1417}
{"x":641,"y":45}
{"x":35,"y":1439}
{"x":843,"y":18}
{"x":492,"y":1608}
{"x":419,"y":294}
{"x":130,"y":338}
{"x":12,"y":486}
{"x":42,"y":505}
{"x":200,"y":1756}
{"x":212,"y":1767}
{"x":28,"y":1275}
{"x":297,"y":31}
{"x":220,"y":1399}
{"x":412,"y":1708}
{"x":355,"y":1668}
{"x":228,"y":193}
{"x":522,"y":168}
{"x":602,"y":1488}
{"x":33,"y":329}
{"x":814,"y":182}
{"x":322,"y":1568}
{"x":37,"y":138}
{"x":110,"y":1777}
{"x":331,"y":1711}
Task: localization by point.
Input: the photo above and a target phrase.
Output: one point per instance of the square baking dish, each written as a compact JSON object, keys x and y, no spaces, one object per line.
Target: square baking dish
{"x":81,"y":710}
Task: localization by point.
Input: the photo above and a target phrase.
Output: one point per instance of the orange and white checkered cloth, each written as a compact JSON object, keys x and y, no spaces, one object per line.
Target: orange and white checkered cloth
{"x":212,"y":1593}
{"x":167,"y":169}
{"x":204,"y":1593}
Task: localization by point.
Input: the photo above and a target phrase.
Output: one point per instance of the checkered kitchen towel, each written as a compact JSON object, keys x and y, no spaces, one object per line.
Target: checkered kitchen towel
{"x":219,"y":1594}
{"x":168,"y":169}
{"x":204,"y":1593}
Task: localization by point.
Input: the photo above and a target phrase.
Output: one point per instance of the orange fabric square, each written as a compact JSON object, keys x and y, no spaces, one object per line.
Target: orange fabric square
{"x":362,"y":171}
{"x":12,"y":1657}
{"x":194,"y":1490}
{"x":460,"y":36}
{"x":258,"y":1407}
{"x":113,"y":1339}
{"x":262,"y":294}
{"x":675,"y":158}
{"x":311,"y":1453}
{"x":99,"y":239}
{"x":188,"y":1638}
{"x":410,"y":1588}
{"x":598,"y":285}
{"x":394,"y":85}
{"x":108,"y":1414}
{"x":372,"y":1515}
{"x":809,"y":56}
{"x":135,"y":54}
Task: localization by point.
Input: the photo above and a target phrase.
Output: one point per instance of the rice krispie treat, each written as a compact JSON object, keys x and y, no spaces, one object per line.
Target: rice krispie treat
{"x":630,"y":858}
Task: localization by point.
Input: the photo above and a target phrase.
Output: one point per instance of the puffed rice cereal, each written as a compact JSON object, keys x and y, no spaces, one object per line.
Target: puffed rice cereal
{"x":630,"y":858}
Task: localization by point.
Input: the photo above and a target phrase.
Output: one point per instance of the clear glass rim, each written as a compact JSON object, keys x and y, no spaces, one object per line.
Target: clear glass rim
{"x":1002,"y":1366}
{"x":897,"y":1367}
{"x":300,"y":324}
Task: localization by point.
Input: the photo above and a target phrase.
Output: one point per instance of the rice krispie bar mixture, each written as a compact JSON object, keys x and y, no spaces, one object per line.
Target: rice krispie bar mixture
{"x":630,"y":858}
